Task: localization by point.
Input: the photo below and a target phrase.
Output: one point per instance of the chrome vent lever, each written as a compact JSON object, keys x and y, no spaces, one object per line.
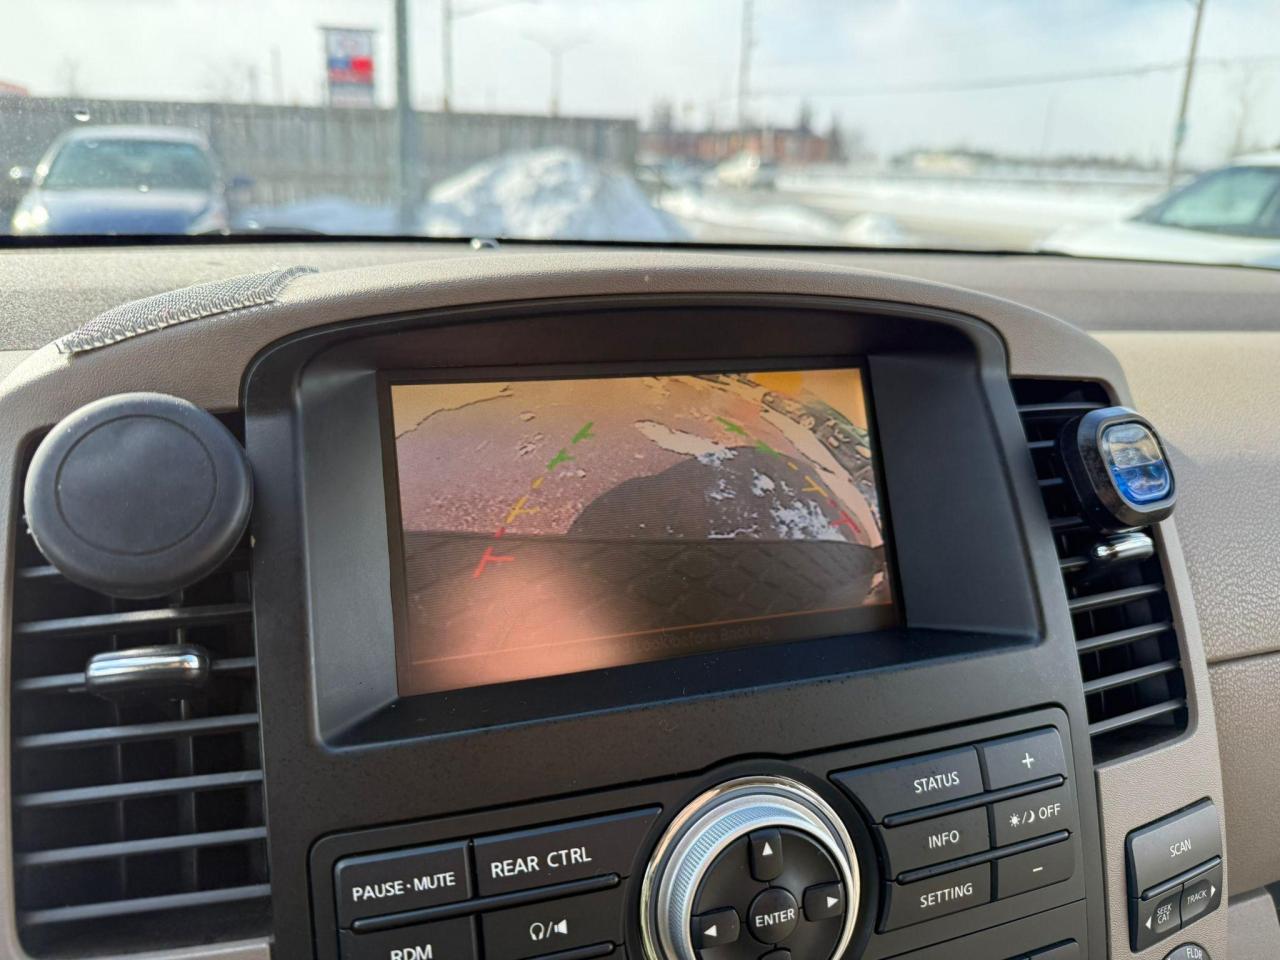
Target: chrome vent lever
{"x":172,"y":671}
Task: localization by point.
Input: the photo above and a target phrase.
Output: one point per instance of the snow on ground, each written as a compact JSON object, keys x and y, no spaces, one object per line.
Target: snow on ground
{"x":758,"y":216}
{"x":554,"y":194}
{"x":551,"y":194}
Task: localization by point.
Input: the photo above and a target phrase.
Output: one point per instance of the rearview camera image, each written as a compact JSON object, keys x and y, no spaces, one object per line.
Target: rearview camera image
{"x":558,"y":526}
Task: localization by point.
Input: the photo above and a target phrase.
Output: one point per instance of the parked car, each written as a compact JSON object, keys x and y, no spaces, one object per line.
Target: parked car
{"x":1228,"y":215}
{"x":748,"y":170}
{"x":123,"y":180}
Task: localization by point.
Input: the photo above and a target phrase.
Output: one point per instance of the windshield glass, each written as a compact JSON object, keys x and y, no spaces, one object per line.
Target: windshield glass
{"x":128,"y":164}
{"x":1103,"y":128}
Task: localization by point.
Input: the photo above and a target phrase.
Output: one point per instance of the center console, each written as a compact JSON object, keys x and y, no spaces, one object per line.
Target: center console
{"x":683,"y":627}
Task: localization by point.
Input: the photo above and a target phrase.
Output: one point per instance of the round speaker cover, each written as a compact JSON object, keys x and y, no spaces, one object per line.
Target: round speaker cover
{"x":138,"y":495}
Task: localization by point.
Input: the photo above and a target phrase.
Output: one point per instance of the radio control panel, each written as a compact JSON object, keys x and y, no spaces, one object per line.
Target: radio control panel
{"x":859,"y":852}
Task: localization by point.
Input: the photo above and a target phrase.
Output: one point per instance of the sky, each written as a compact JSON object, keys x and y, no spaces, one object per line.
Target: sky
{"x":904,"y":74}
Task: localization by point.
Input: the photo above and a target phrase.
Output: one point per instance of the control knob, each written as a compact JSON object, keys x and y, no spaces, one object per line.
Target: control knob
{"x":754,"y":867}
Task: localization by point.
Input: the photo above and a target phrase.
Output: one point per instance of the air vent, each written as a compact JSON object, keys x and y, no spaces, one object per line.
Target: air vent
{"x":1129,"y":661}
{"x":140,"y":825}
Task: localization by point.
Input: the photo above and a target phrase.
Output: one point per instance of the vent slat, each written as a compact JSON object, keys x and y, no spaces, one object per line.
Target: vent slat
{"x":1120,"y":637}
{"x":1145,"y":715}
{"x":1129,"y":660}
{"x":138,"y":905}
{"x":79,"y":796}
{"x":74,"y":682}
{"x":1114,"y":598}
{"x":139,"y":823}
{"x":1063,"y":411}
{"x":1127,"y":677}
{"x":131,"y":733}
{"x":134,"y":621}
{"x":133,"y":848}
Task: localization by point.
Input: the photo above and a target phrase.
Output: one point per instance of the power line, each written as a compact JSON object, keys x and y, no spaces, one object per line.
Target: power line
{"x":1024,"y":80}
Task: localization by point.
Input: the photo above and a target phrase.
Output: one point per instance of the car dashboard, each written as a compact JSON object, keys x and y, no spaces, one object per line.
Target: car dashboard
{"x":588,"y":603}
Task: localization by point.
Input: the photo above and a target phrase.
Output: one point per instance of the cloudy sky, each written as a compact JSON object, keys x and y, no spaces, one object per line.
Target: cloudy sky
{"x":906,"y":73}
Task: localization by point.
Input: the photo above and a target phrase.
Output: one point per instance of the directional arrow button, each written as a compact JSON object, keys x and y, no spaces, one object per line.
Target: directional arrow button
{"x":715,"y":929}
{"x":766,"y":855}
{"x":824,"y":901}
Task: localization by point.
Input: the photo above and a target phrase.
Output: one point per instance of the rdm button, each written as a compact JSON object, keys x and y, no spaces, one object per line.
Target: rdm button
{"x":570,"y":851}
{"x":446,"y":940}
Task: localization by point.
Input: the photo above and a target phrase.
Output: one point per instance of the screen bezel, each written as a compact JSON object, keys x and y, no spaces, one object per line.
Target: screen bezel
{"x":892,"y":617}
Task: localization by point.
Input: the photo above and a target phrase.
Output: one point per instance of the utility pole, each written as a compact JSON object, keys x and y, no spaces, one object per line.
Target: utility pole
{"x":556,"y":49}
{"x":744,"y":60}
{"x":446,"y":54}
{"x":1180,"y":127}
{"x":407,"y":128}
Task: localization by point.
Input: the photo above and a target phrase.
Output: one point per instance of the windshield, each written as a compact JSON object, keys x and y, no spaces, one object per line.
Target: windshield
{"x":1102,"y":128}
{"x":128,"y":164}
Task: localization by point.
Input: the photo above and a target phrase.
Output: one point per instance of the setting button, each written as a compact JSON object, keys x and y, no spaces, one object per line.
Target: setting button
{"x":1034,"y":815}
{"x":937,"y":897}
{"x":446,"y":940}
{"x":773,"y":915}
{"x":716,"y":929}
{"x":1028,"y":756}
{"x":919,"y":782}
{"x":553,"y":925}
{"x":934,"y":841}
{"x":570,"y":851}
{"x":382,"y":883}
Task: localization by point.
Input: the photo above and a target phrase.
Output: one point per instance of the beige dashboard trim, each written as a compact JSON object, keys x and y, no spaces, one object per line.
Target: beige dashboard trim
{"x":204,"y":361}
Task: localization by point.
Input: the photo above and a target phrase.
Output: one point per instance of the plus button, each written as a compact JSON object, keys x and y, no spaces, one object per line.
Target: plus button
{"x":1028,"y":761}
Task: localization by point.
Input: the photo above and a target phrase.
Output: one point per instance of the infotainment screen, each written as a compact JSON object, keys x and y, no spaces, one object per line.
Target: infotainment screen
{"x":556,"y":526}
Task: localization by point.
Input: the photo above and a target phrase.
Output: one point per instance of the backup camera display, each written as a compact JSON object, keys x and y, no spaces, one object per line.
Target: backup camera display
{"x":557,"y":526}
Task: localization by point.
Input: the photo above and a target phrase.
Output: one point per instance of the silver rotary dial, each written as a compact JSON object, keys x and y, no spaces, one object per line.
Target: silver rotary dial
{"x":752,"y":865}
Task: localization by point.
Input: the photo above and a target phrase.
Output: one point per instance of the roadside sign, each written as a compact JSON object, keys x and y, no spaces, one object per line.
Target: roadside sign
{"x":349,"y":66}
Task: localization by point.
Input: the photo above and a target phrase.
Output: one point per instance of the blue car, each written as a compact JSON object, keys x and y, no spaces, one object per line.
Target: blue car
{"x":124,"y":180}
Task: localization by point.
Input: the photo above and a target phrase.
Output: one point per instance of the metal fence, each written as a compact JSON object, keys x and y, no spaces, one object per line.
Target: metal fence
{"x":292,"y":153}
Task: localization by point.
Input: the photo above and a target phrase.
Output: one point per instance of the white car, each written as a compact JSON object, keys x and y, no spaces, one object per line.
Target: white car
{"x":748,"y":170}
{"x":1230,"y":215}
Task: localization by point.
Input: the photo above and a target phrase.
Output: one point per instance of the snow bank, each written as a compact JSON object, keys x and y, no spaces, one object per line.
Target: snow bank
{"x":552,"y":194}
{"x":326,"y":214}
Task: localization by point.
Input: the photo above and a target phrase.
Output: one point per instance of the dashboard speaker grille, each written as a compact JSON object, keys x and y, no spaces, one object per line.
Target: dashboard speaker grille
{"x":1129,"y":660}
{"x":137,"y":825}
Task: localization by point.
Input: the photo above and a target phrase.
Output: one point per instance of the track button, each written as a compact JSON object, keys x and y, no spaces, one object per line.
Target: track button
{"x":824,"y":901}
{"x":715,"y":929}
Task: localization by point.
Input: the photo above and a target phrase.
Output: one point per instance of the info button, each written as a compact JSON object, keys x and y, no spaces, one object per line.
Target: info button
{"x":382,"y":883}
{"x":568,"y":851}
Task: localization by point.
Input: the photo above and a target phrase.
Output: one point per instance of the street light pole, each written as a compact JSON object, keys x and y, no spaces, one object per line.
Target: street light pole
{"x":406,"y":127}
{"x":556,"y":49}
{"x":744,"y":60}
{"x":446,"y":53}
{"x":1180,"y":127}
